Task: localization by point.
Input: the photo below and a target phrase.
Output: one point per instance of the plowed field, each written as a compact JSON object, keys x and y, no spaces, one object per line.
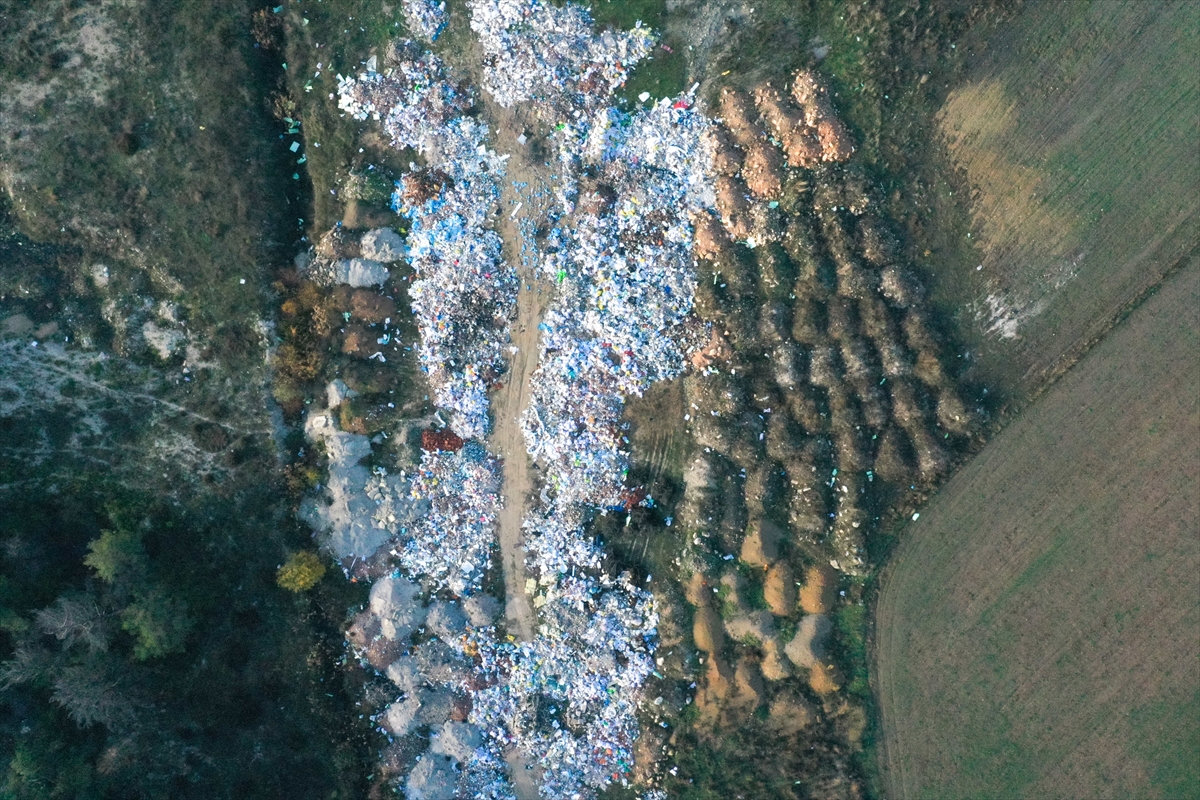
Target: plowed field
{"x":1038,"y":630}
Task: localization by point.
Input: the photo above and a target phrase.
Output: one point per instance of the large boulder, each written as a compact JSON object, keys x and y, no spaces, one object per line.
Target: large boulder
{"x":360,"y":272}
{"x":447,"y":621}
{"x":383,"y":244}
{"x":481,"y":609}
{"x":706,"y":630}
{"x":459,"y":740}
{"x":433,"y":778}
{"x":756,"y":625}
{"x":394,"y":601}
{"x":779,"y":589}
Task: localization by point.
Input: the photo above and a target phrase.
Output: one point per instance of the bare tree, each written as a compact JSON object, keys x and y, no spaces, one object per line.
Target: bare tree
{"x":76,"y":619}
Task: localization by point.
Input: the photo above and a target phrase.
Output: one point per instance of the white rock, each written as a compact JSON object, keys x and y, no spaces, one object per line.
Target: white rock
{"x":459,"y":740}
{"x":360,"y":272}
{"x":163,"y":341}
{"x":432,"y":779}
{"x":338,"y":392}
{"x":383,"y":244}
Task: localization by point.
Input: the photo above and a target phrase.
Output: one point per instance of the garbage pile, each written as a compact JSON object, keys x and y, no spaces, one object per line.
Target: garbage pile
{"x":464,"y":293}
{"x":594,"y":652}
{"x":425,"y":18}
{"x":550,"y":54}
{"x":626,"y":280}
{"x":450,"y":544}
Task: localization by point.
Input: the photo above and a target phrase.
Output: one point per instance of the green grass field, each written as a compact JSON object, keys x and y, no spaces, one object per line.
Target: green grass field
{"x":1036,"y":633}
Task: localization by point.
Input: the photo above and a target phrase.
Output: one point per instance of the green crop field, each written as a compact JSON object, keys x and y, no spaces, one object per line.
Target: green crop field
{"x":1036,"y":633}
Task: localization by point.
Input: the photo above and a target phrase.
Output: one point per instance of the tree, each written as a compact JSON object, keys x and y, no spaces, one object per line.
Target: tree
{"x":75,"y":618}
{"x":118,"y":557}
{"x":301,"y":572}
{"x":160,"y":624}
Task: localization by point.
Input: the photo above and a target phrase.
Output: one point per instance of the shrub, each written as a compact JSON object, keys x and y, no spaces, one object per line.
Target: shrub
{"x":301,"y":572}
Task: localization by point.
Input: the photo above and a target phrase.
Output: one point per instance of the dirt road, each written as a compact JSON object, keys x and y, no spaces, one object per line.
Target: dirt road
{"x":525,"y":199}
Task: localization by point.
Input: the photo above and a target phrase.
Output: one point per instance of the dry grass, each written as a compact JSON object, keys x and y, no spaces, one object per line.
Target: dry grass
{"x":1037,"y":631}
{"x":1076,"y":129}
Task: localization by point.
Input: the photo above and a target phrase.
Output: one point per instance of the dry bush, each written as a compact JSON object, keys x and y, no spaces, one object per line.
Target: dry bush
{"x":727,"y":157}
{"x":857,"y":193}
{"x":860,"y":365}
{"x":929,"y":369}
{"x":854,"y":281}
{"x":900,"y":287}
{"x":877,"y":322}
{"x":917,"y":331}
{"x":844,"y":417}
{"x":894,"y":460}
{"x":873,"y":403}
{"x":808,"y":321}
{"x":906,"y":409}
{"x":766,"y":224}
{"x":876,"y":243}
{"x":894,"y":358}
{"x":785,"y":439}
{"x":774,"y":270}
{"x":763,"y":170}
{"x":932,"y":459}
{"x":774,"y":323}
{"x":852,"y":451}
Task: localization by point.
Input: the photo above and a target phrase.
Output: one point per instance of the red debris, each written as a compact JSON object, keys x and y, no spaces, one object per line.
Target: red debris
{"x":444,"y":439}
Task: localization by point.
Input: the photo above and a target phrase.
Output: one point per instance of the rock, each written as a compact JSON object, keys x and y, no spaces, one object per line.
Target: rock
{"x":163,"y":341}
{"x":360,"y":272}
{"x":383,"y":244}
{"x":790,"y":715}
{"x":807,"y":648}
{"x":774,"y":666}
{"x":401,"y":716}
{"x":446,"y":621}
{"x":405,"y":672}
{"x":481,"y":609}
{"x":697,"y":591}
{"x":338,"y":392}
{"x":394,"y":601}
{"x":824,"y":679}
{"x":706,"y":630}
{"x":459,"y":740}
{"x":757,"y":625}
{"x":779,"y":589}
{"x":760,"y":548}
{"x":433,"y":778}
{"x":440,"y":664}
{"x":816,"y":596}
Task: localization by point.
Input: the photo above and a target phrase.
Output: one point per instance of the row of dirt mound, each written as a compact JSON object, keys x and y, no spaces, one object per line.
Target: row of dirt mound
{"x":821,"y":400}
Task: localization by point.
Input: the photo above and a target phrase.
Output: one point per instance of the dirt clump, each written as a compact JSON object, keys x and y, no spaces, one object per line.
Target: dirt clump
{"x":817,"y":593}
{"x":779,"y":589}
